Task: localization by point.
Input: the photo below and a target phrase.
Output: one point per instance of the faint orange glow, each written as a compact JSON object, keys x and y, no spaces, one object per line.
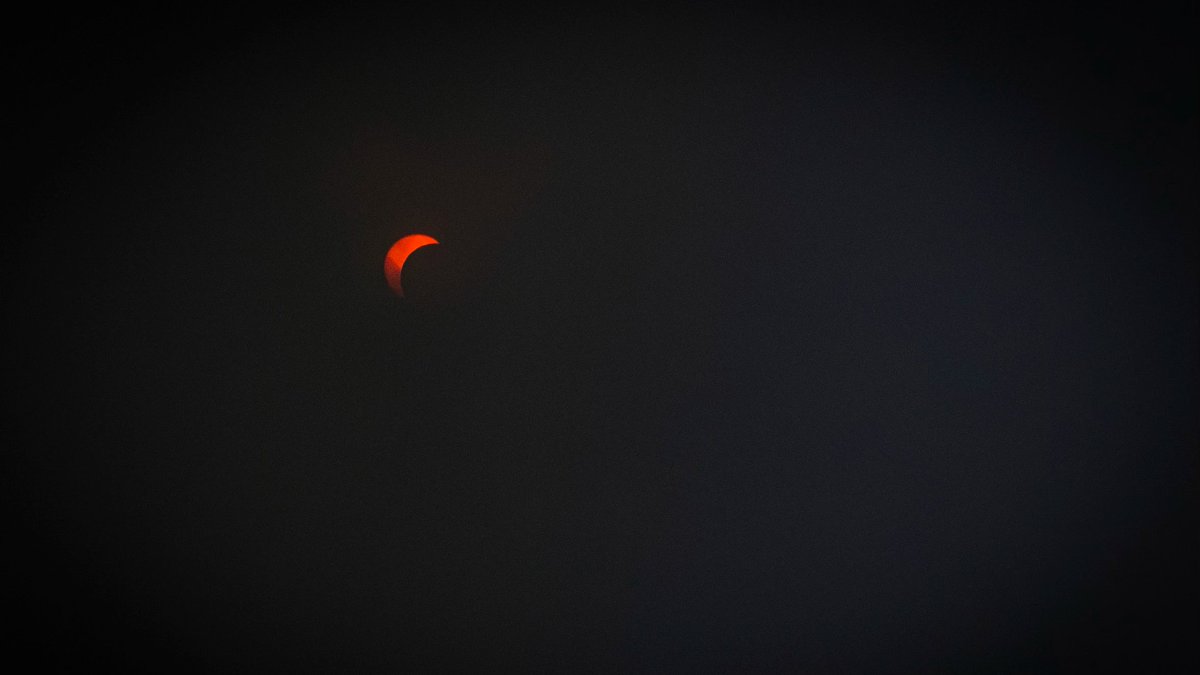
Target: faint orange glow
{"x":393,"y":263}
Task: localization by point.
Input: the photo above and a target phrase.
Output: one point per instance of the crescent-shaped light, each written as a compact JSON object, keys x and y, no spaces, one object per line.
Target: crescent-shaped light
{"x":393,"y":263}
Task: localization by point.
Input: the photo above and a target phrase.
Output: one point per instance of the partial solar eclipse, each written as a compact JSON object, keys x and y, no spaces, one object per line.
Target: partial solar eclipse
{"x":393,"y":263}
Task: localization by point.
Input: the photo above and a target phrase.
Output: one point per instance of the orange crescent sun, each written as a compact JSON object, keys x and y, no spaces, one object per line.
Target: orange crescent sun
{"x":393,"y":262}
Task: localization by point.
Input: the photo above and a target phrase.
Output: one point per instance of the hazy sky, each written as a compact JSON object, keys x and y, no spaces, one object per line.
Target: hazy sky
{"x":756,"y":340}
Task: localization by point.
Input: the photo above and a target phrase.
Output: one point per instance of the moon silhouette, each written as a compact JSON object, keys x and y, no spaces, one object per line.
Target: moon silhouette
{"x":393,"y":262}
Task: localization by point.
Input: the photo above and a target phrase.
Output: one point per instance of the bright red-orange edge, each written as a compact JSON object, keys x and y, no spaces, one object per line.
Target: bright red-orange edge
{"x":393,"y":262}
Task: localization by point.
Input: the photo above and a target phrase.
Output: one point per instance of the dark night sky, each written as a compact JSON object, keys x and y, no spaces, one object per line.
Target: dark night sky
{"x":758,"y":340}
